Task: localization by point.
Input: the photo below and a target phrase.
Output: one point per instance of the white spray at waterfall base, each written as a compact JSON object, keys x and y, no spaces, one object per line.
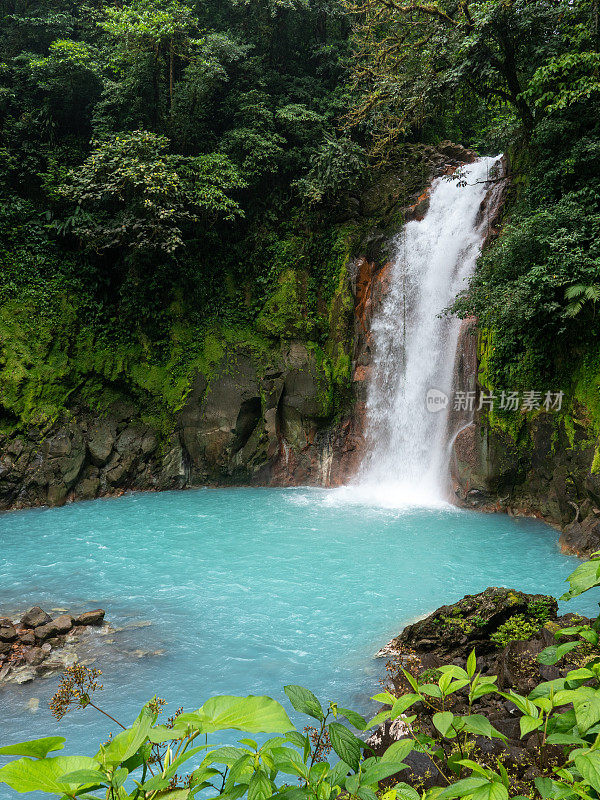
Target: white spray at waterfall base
{"x":414,"y":347}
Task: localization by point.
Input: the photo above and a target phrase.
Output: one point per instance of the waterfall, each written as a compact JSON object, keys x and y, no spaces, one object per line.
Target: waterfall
{"x":414,"y":346}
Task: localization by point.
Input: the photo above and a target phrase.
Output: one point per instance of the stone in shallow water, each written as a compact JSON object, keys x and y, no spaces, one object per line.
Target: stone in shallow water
{"x":582,"y":538}
{"x":46,"y":631}
{"x":64,"y":623}
{"x":35,"y":617}
{"x":34,"y":656}
{"x":24,"y":675}
{"x":7,"y":633}
{"x":90,"y":617}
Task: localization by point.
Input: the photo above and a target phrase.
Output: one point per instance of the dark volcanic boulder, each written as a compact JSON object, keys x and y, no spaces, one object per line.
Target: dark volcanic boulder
{"x":35,"y":617}
{"x":517,"y":664}
{"x":478,"y":621}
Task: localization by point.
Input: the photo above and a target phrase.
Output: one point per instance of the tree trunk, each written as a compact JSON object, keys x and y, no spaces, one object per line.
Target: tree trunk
{"x":509,"y":71}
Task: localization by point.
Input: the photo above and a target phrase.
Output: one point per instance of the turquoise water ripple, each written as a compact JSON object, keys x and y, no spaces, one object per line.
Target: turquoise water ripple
{"x":249,"y":589}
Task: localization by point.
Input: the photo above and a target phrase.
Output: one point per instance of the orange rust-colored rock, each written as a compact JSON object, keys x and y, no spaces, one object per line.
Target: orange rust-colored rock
{"x":418,"y":210}
{"x":331,"y":457}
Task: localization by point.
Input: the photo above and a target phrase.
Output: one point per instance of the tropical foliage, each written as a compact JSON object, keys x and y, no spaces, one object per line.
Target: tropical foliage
{"x":169,"y":138}
{"x":164,"y":163}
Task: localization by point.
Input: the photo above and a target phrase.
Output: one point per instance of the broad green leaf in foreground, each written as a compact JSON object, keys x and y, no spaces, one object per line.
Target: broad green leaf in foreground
{"x":304,"y":701}
{"x":588,"y":765}
{"x":35,"y":748}
{"x":128,"y":742}
{"x":353,"y":718}
{"x":345,"y":744}
{"x":443,"y":721}
{"x":260,"y":786}
{"x":252,"y":714}
{"x":403,"y":791}
{"x":398,"y":750}
{"x":461,"y":788}
{"x":381,"y":771}
{"x":44,"y":775}
{"x":583,"y":578}
{"x":491,"y":791}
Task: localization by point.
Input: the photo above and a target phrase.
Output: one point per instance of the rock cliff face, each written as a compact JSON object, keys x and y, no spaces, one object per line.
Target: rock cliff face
{"x":549,"y":475}
{"x":287,"y":412}
{"x":260,"y":418}
{"x":232,"y":429}
{"x":547,"y":467}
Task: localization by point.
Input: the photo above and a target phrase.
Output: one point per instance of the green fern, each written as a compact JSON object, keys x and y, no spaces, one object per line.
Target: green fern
{"x":579,"y":294}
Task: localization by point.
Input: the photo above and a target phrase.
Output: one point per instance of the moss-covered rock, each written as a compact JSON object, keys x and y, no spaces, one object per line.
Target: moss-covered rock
{"x":285,"y":314}
{"x":483,"y":622}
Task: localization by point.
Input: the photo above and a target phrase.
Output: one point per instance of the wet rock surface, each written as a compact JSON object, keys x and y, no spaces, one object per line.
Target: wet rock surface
{"x":37,"y":643}
{"x":35,"y":617}
{"x":583,"y":538}
{"x":95,"y":617}
{"x":552,"y":478}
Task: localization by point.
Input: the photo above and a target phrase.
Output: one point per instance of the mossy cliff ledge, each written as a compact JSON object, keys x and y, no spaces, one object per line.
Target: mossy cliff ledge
{"x":235,"y":417}
{"x":541,"y":463}
{"x":278,"y":400}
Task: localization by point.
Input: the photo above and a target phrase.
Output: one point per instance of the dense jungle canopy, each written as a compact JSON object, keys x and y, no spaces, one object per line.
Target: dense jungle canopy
{"x":165,"y":163}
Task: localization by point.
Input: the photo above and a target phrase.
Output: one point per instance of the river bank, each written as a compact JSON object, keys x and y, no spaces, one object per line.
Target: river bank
{"x":506,"y":631}
{"x":37,"y":643}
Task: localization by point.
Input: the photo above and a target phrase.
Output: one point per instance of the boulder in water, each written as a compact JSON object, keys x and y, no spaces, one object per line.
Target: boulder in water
{"x":7,"y":631}
{"x":27,"y":638}
{"x":582,"y":538}
{"x":35,"y":617}
{"x":95,"y":617}
{"x":26,"y":647}
{"x":64,"y":623}
{"x":48,"y":631}
{"x":34,"y":656}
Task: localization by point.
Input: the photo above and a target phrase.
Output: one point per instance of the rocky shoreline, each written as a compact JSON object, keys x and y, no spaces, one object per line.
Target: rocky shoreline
{"x":507,"y":629}
{"x":37,"y":643}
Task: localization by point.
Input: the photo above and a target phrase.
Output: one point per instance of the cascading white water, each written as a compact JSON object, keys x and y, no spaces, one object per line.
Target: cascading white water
{"x":415,"y":345}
